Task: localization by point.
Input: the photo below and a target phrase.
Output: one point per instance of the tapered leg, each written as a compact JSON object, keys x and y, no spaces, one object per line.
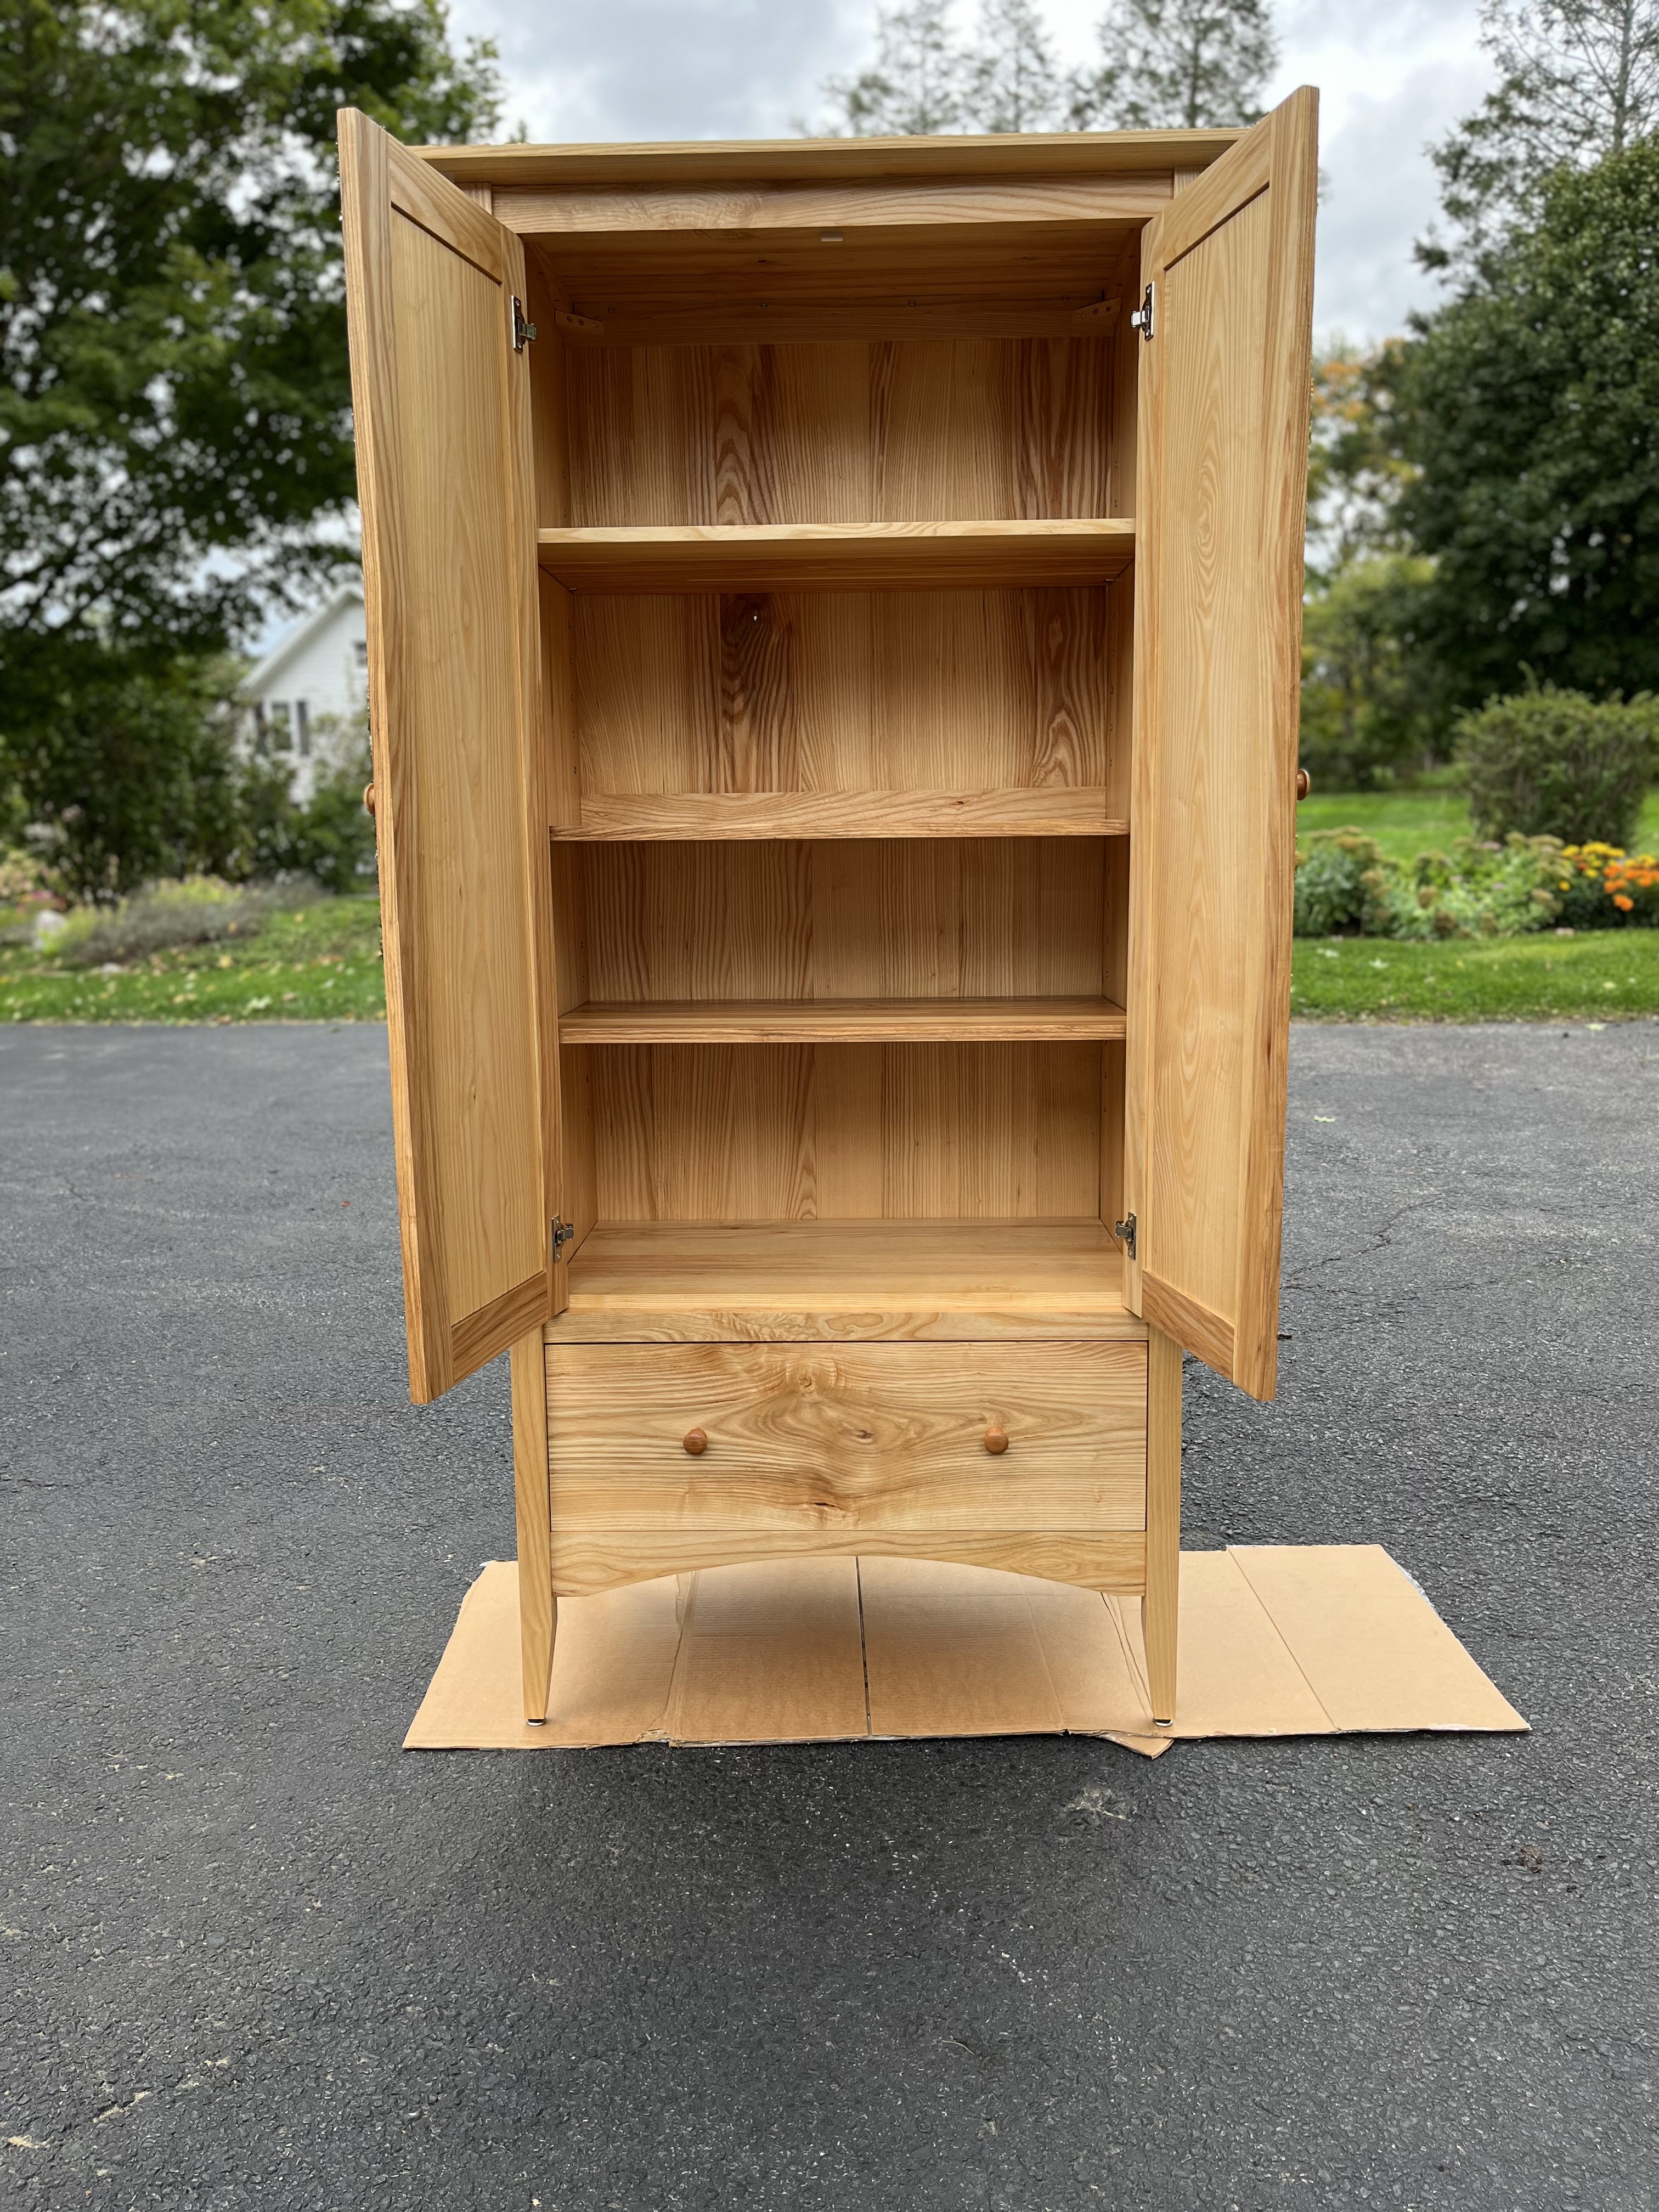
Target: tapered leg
{"x":538,"y":1609}
{"x":1160,"y":1608}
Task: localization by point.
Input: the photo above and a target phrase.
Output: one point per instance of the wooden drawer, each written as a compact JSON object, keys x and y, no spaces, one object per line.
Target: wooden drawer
{"x":838,"y":1440}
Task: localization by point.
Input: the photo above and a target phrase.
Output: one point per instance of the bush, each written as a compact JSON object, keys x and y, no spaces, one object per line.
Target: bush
{"x":1557,"y":764}
{"x":330,"y":839}
{"x":1476,"y":890}
{"x":1338,"y":882}
{"x":197,"y":910}
{"x":1344,"y":885}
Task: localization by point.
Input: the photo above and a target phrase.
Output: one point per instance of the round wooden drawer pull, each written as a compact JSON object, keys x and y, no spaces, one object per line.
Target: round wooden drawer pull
{"x":996,"y":1442}
{"x":368,"y":798}
{"x":1303,"y":783}
{"x":696,"y":1442}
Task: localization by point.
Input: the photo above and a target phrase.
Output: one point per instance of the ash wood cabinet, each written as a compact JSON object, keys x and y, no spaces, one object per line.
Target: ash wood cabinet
{"x":834,"y":622}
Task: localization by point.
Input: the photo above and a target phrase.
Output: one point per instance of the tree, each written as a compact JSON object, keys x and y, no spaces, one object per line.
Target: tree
{"x":1576,"y":80}
{"x":1529,"y":409}
{"x":1178,"y":65}
{"x":1372,"y":708}
{"x":916,"y":87}
{"x":132,"y":775}
{"x":1356,"y":472}
{"x":1012,"y":82}
{"x":175,"y":414}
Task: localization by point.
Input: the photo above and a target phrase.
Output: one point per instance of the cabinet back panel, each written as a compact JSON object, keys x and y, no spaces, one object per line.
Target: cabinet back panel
{"x":912,"y":430}
{"x":845,"y":918}
{"x":852,"y":690}
{"x":864,"y":1133}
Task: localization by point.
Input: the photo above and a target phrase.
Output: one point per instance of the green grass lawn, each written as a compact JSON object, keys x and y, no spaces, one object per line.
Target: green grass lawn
{"x":1430,"y":818}
{"x":322,"y":962}
{"x":318,"y":963}
{"x":1599,"y":976}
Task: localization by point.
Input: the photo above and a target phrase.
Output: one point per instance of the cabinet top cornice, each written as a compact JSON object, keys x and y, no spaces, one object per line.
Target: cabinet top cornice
{"x":808,"y":160}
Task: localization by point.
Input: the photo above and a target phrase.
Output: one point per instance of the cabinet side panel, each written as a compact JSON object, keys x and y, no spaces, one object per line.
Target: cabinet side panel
{"x":911,"y":1132}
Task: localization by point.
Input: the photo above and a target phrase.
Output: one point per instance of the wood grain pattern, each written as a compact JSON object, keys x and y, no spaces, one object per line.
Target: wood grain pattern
{"x":839,"y":1021}
{"x":847,"y":918}
{"x":786,"y":161}
{"x":584,"y":1560}
{"x":1222,"y":468}
{"x":910,"y":1324}
{"x":922,"y":557}
{"x":449,"y":582}
{"x":967,"y":207}
{"x":841,"y":1268}
{"x":611,"y":816}
{"x":911,"y":1132}
{"x":538,"y":1609}
{"x":959,"y":694}
{"x":1160,"y":1610}
{"x":965,"y":430}
{"x":844,"y":1439}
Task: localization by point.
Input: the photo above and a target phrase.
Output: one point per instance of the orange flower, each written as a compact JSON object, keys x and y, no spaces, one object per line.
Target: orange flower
{"x":1625,"y":905}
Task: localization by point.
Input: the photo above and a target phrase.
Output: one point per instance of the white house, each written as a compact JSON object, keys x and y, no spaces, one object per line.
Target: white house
{"x":316,"y":676}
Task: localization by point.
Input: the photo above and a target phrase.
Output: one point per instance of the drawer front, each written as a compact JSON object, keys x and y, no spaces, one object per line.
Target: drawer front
{"x":842,"y":1438}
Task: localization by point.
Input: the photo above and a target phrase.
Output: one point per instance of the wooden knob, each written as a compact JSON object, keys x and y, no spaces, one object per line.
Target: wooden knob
{"x":696,"y":1442}
{"x":368,"y":798}
{"x":996,"y":1442}
{"x":1303,"y":783}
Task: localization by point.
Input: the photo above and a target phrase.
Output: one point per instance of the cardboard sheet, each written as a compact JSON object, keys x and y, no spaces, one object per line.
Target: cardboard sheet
{"x":1275,"y":1640}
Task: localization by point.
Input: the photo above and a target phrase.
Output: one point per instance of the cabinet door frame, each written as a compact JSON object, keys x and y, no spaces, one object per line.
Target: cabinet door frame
{"x":1206,"y":1215}
{"x":474,"y":1149}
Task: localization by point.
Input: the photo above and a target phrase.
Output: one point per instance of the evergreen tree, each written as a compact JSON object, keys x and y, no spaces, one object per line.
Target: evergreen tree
{"x":1576,"y":80}
{"x":917,"y":86}
{"x":1177,"y":64}
{"x":1012,"y":80}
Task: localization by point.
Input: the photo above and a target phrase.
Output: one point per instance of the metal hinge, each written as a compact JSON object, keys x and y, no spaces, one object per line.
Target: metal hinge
{"x":523,"y":332}
{"x":561,"y":1232}
{"x":1141,"y":320}
{"x":1125,"y":1231}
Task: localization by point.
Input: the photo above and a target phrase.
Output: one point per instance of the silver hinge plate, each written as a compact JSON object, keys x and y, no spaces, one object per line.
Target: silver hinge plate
{"x":524,"y":332}
{"x":1142,"y":318}
{"x":1125,"y":1232}
{"x":561,"y":1234}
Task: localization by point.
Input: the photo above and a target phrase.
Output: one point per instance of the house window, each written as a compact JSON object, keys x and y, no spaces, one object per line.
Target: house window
{"x":281,"y":726}
{"x":261,"y":734}
{"x":303,"y":726}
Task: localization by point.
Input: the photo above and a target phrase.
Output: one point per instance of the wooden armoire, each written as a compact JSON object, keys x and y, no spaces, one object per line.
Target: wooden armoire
{"x":833,"y":618}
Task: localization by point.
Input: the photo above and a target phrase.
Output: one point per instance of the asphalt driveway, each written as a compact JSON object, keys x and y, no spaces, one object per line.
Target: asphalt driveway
{"x":252,"y":1956}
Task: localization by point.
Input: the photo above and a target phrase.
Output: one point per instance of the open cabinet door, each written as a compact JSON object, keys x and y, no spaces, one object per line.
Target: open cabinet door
{"x":1221,"y":497}
{"x":441,"y":394}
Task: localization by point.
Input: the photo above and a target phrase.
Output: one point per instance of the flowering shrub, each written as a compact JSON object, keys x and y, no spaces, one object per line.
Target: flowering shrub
{"x":1339,"y":884}
{"x":1600,"y":887}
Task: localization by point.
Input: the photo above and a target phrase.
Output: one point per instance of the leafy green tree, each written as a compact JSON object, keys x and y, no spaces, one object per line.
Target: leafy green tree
{"x":132,"y":775}
{"x":1576,"y":80}
{"x":1529,"y":408}
{"x":1178,"y":65}
{"x":175,"y":446}
{"x":1554,"y":764}
{"x":1356,"y":472}
{"x":1373,"y":709}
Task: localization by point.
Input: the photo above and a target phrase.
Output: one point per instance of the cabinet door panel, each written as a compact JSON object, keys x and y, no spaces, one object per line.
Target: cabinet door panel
{"x":1221,"y":502}
{"x":442,"y":426}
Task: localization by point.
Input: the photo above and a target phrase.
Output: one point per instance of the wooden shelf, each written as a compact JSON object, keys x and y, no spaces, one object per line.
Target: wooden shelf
{"x":863,"y":1267}
{"x":839,"y":556}
{"x":840,"y":1021}
{"x":1053,"y":811}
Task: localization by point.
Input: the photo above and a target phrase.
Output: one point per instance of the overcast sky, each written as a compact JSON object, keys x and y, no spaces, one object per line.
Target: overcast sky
{"x":1393,"y":75}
